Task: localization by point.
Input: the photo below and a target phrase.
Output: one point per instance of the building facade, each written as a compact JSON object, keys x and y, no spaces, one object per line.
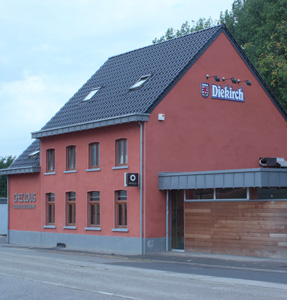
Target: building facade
{"x":179,"y":145}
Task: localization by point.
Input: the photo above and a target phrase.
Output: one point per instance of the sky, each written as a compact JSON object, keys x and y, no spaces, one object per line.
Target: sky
{"x":50,"y":48}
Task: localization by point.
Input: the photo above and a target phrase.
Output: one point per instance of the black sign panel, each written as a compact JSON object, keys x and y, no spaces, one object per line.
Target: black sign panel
{"x":131,"y":179}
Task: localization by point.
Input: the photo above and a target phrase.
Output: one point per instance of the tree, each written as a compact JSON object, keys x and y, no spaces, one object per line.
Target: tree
{"x":5,"y":162}
{"x":260,"y":28}
{"x":202,"y":23}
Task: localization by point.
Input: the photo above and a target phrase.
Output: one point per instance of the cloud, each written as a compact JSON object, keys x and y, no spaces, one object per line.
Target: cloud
{"x":26,"y":105}
{"x":49,"y":48}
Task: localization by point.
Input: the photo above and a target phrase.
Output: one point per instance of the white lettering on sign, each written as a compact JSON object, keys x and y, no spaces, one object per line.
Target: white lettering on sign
{"x":227,"y":93}
{"x":24,"y":197}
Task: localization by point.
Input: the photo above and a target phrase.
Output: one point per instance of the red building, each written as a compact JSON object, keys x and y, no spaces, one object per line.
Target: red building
{"x":178,"y":145}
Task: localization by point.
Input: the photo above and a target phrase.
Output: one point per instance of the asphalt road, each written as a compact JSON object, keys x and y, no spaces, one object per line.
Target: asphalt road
{"x":34,"y":273}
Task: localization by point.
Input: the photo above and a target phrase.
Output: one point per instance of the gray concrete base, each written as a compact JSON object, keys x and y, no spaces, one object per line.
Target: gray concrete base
{"x":87,"y":242}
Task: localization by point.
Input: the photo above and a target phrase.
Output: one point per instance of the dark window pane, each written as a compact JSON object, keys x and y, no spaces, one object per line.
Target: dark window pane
{"x":240,"y":193}
{"x":272,"y":193}
{"x":199,"y":194}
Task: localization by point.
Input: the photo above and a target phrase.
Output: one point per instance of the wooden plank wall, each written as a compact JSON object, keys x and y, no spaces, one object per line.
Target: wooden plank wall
{"x":238,"y":228}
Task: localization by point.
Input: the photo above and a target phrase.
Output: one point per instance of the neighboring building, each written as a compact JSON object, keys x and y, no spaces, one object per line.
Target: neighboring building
{"x":176,"y":118}
{"x":3,"y":216}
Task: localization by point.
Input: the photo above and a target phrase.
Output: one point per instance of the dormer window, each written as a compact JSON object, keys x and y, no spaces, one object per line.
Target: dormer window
{"x":91,"y":94}
{"x":140,"y":82}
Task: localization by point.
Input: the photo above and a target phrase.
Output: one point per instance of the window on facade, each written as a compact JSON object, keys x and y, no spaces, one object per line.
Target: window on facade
{"x":121,"y":152}
{"x":94,"y":155}
{"x":71,"y":157}
{"x":199,"y":194}
{"x":94,"y":209}
{"x":50,"y":209}
{"x":121,"y":209}
{"x":71,"y":209}
{"x":50,"y":161}
{"x":237,"y":193}
{"x":217,"y":194}
{"x":269,"y":193}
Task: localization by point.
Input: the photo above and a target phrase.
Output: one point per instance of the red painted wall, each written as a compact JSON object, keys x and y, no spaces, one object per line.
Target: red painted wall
{"x":107,"y":180}
{"x":209,"y":134}
{"x":24,"y":218}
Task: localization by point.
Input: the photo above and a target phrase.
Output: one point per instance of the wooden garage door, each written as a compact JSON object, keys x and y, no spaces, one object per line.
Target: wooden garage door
{"x":239,"y":228}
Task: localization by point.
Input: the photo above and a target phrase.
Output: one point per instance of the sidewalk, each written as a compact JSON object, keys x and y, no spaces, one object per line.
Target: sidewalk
{"x":183,"y":258}
{"x":220,"y":260}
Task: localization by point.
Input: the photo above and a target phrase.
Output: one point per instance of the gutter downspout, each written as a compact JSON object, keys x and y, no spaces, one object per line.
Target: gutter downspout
{"x":167,"y":222}
{"x":7,"y":238}
{"x":142,"y":251}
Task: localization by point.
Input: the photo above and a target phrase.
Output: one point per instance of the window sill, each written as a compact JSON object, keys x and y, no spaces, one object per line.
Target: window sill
{"x":50,"y":173}
{"x":71,"y":171}
{"x":93,"y":228}
{"x":70,"y":227}
{"x":120,"y":167}
{"x":49,"y":227}
{"x":120,"y":230}
{"x":93,"y":170}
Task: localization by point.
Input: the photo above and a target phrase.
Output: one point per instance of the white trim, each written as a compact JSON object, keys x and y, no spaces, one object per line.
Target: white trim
{"x":49,"y":226}
{"x":93,"y":170}
{"x":120,"y":167}
{"x":120,"y":230}
{"x":93,"y":228}
{"x":70,"y":227}
{"x":49,"y":173}
{"x":71,"y":171}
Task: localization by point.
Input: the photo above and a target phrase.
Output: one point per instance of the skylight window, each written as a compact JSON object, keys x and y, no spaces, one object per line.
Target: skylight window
{"x":34,"y":154}
{"x":140,"y":82}
{"x":91,"y":94}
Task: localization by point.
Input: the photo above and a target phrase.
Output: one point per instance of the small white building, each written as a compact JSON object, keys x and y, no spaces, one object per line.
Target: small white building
{"x":3,"y":216}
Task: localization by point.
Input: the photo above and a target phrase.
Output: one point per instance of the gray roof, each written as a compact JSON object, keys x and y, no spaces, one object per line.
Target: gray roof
{"x":223,"y":179}
{"x":116,"y":103}
{"x":27,"y":162}
{"x":165,"y":62}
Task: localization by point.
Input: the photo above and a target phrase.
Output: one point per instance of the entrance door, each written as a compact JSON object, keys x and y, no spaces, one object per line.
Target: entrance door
{"x":177,"y":220}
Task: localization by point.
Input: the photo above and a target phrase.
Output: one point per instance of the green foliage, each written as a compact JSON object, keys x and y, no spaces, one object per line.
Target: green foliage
{"x":5,"y":162}
{"x":202,"y":23}
{"x":272,"y":62}
{"x":260,"y":28}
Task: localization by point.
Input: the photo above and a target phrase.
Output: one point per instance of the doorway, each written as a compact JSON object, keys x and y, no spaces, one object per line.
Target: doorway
{"x":177,"y":220}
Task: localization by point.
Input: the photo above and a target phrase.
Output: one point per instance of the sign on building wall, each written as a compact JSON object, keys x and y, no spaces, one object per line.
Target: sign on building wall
{"x":222,"y":93}
{"x":131,"y":179}
{"x":24,"y":200}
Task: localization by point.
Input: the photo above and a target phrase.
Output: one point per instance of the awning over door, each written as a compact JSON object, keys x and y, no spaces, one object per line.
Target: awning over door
{"x":260,"y":177}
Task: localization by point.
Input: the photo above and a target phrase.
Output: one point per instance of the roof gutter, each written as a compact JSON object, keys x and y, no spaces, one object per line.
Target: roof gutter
{"x":20,"y":170}
{"x":91,"y":125}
